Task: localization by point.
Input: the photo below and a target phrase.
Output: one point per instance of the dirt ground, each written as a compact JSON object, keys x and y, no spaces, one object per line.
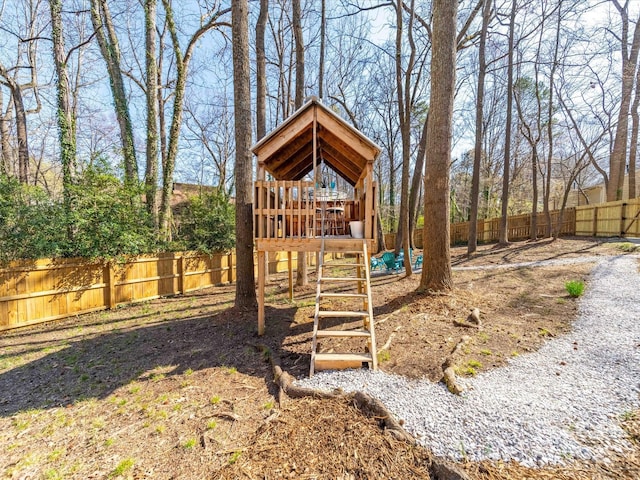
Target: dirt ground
{"x":177,"y":388}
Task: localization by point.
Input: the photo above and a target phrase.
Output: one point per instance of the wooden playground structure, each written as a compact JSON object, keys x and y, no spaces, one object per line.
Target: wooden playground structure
{"x":315,"y":192}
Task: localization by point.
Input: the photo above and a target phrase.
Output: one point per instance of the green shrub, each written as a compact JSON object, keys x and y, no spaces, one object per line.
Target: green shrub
{"x":207,"y":223}
{"x":575,"y":288}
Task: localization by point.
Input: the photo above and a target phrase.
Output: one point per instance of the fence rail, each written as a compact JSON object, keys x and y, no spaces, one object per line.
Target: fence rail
{"x":35,"y":291}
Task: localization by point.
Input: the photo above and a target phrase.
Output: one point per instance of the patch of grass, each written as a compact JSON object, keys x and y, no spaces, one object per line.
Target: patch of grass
{"x":483,"y":337}
{"x":514,"y":353}
{"x":56,"y":454}
{"x":474,"y":363}
{"x":156,"y":377}
{"x":123,"y":467}
{"x":627,"y":416}
{"x":160,"y":429}
{"x":628,"y":247}
{"x":575,"y":288}
{"x":543,"y":332}
{"x":234,"y":457}
{"x":212,"y":424}
{"x":384,"y":356}
{"x":21,"y":424}
{"x":189,"y":443}
{"x":269,"y":405}
{"x":108,"y":442}
{"x":188,"y":372}
{"x":230,"y":370}
{"x":134,"y":389}
{"x":486,"y":351}
{"x":215,"y":400}
{"x":53,"y":474}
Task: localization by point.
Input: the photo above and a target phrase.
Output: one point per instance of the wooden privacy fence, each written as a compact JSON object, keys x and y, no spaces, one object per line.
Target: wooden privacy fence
{"x":489,"y":230}
{"x":612,"y":219}
{"x":34,"y":291}
{"x":519,"y":227}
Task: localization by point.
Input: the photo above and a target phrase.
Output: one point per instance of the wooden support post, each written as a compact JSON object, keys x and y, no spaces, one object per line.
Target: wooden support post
{"x":260,"y":292}
{"x":290,"y":271}
{"x":623,"y":219}
{"x":595,"y":221}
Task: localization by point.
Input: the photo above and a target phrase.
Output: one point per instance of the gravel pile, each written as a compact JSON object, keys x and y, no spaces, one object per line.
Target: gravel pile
{"x":562,"y":402}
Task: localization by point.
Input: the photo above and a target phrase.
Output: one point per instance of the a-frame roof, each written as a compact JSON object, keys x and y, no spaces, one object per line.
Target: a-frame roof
{"x":287,"y":152}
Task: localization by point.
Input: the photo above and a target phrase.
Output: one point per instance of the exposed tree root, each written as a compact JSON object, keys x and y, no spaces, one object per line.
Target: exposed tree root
{"x":368,"y":405}
{"x":448,"y":367}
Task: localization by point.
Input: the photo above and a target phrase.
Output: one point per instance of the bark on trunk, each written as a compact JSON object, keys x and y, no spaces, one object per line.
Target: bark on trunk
{"x":110,"y":50}
{"x":151,"y":170}
{"x":245,"y":284}
{"x":436,"y":272}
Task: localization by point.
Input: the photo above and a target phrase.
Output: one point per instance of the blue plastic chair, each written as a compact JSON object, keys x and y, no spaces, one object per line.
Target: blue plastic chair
{"x":376,"y":263}
{"x":391,"y":262}
{"x":418,"y":263}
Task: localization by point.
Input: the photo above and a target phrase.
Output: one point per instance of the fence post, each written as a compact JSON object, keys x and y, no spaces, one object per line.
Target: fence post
{"x":181,"y":275}
{"x":110,"y":287}
{"x":623,"y":218}
{"x":595,"y":221}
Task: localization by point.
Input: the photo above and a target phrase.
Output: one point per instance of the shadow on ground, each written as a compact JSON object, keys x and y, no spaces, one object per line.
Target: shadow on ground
{"x":93,"y":366}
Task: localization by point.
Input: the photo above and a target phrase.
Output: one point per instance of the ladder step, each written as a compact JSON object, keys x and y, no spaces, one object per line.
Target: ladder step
{"x":335,"y":313}
{"x":343,"y":333}
{"x":336,"y":361}
{"x":341,"y":279}
{"x":345,"y":295}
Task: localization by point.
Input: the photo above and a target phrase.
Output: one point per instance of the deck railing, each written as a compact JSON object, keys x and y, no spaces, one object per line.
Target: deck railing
{"x":294,"y":209}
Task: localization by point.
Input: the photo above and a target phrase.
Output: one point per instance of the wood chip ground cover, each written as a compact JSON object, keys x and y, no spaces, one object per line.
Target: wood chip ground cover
{"x":175,"y":388}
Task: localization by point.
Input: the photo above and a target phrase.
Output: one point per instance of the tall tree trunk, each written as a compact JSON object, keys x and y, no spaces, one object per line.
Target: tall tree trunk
{"x":261,"y":87}
{"x":323,"y":33}
{"x":302,"y":277}
{"x":618,"y":158}
{"x":417,"y":180}
{"x":151,"y":170}
{"x":504,"y":222}
{"x":633,"y":148}
{"x":436,"y":273}
{"x":64,"y":113}
{"x":472,"y":246}
{"x":110,"y":49}
{"x":245,"y":285}
{"x":549,"y":167}
{"x":21,"y":125}
{"x":261,"y":71}
{"x":6,"y":160}
{"x":403,"y":86}
{"x":533,"y":232}
{"x":182,"y":66}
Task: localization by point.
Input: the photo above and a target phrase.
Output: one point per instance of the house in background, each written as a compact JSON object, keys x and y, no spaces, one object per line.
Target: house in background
{"x":597,"y":194}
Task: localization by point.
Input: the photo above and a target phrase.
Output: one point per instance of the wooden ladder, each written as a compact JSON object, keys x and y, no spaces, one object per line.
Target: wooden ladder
{"x":325,"y":361}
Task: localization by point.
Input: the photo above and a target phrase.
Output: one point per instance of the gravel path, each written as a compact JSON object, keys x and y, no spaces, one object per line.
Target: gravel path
{"x":561,"y":402}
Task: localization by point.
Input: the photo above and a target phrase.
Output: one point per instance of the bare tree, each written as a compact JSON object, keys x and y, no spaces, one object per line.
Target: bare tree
{"x":618,"y":159}
{"x":403,"y":88}
{"x":151,"y":95}
{"x":182,"y":65}
{"x":110,"y":49}
{"x":301,"y":272}
{"x":65,"y":112}
{"x":436,"y":274}
{"x":504,"y":235}
{"x":477,"y":151}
